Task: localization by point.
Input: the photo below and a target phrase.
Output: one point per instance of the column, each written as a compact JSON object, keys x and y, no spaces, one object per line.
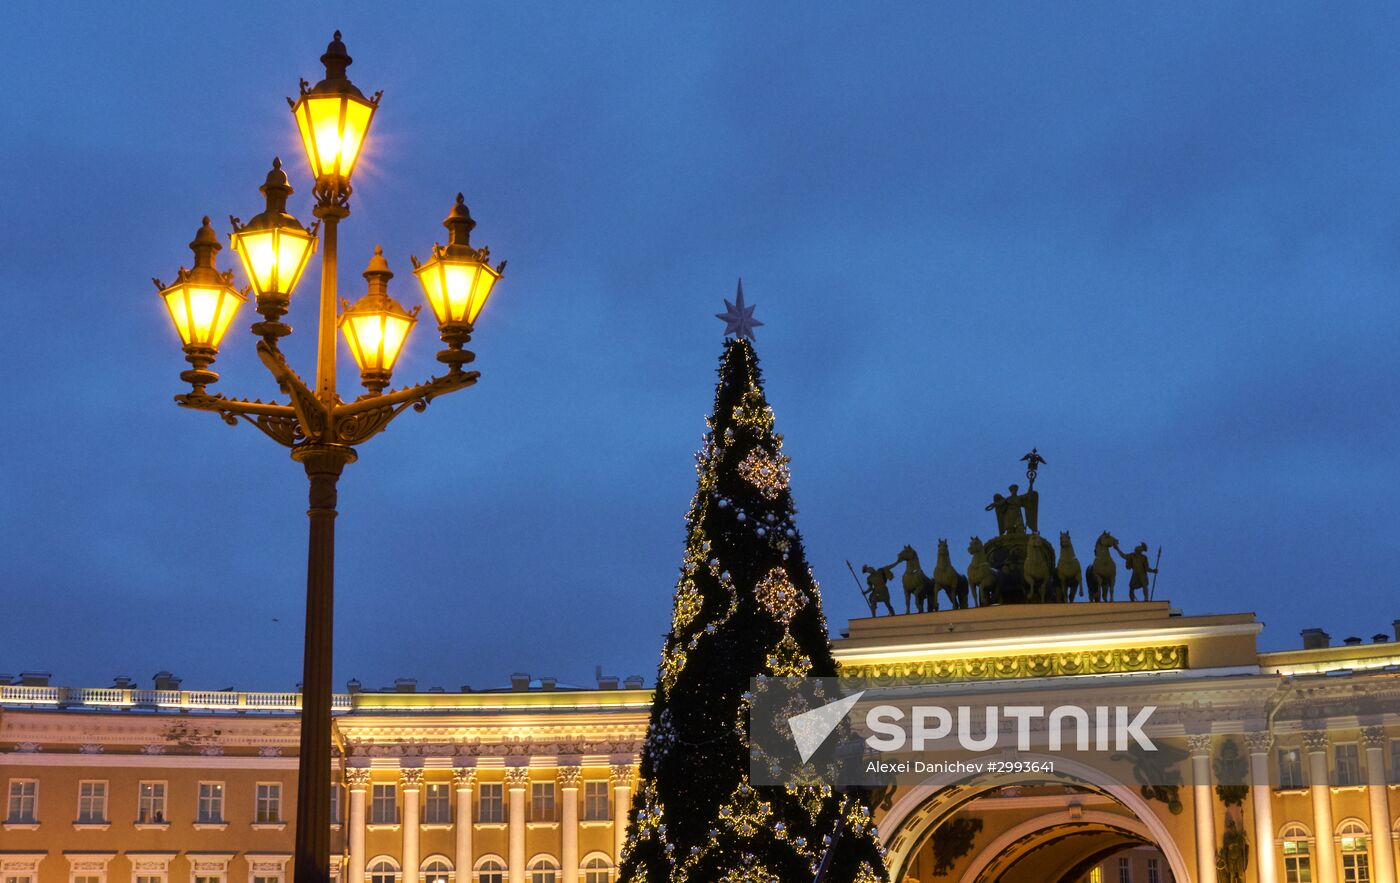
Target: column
{"x":622,"y":805}
{"x":1319,"y":785}
{"x":464,"y":780}
{"x":1375,"y":741}
{"x":357,"y":781}
{"x":569,"y":777}
{"x":517,"y":780}
{"x":411,"y":784}
{"x":1262,"y":795}
{"x":1203,"y":807}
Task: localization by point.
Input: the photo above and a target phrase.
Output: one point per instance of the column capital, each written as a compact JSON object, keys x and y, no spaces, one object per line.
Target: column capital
{"x":411,"y":778}
{"x":517,"y":777}
{"x":1259,"y":742}
{"x":621,"y":775}
{"x":570,"y":776}
{"x":464,"y":778}
{"x":1374,"y":737}
{"x":1316,"y":741}
{"x":357,"y":778}
{"x":1199,"y":744}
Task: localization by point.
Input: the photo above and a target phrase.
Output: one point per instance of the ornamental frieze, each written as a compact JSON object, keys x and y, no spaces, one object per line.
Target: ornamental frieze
{"x":1113,"y":660}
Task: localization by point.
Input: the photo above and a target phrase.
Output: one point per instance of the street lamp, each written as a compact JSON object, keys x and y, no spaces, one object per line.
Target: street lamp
{"x":320,"y":428}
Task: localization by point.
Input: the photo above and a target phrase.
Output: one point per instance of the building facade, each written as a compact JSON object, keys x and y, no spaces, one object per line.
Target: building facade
{"x":532,"y":784}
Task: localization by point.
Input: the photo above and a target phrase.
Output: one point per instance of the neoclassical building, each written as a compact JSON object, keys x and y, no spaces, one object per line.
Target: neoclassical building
{"x":532,"y":783}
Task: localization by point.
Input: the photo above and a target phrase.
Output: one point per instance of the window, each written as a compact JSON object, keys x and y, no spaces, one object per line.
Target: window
{"x":383,"y":870}
{"x":1124,"y":874}
{"x":24,"y":803}
{"x":1290,"y":768}
{"x":544,"y":870}
{"x":437,"y":809}
{"x":1154,"y":874}
{"x":259,"y":879}
{"x":542,"y":802}
{"x":1356,"y":860}
{"x":148,"y":879}
{"x":437,"y":870}
{"x":1395,"y":760}
{"x":1348,"y":763}
{"x":1096,"y":875}
{"x":595,"y":870}
{"x":208,"y":880}
{"x":211,"y":804}
{"x":150,"y":804}
{"x":595,"y":801}
{"x":383,"y":807}
{"x":491,"y":804}
{"x":490,"y":870}
{"x":92,"y":804}
{"x":269,"y":804}
{"x":335,"y":803}
{"x":1297,"y":863}
{"x":86,"y":879}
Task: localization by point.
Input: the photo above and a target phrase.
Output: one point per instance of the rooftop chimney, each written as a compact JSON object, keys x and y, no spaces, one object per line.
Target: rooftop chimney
{"x":1351,"y":641}
{"x":122,"y":682}
{"x":1315,"y":639}
{"x":633,"y":682}
{"x":166,"y":681}
{"x":353,"y":685}
{"x":1380,"y":638}
{"x":547,"y":683}
{"x":34,"y":678}
{"x":405,"y":685}
{"x":608,"y":682}
{"x":6,"y":679}
{"x":520,"y":681}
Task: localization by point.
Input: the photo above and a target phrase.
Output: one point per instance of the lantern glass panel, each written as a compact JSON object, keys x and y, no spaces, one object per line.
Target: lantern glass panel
{"x":333,"y":130}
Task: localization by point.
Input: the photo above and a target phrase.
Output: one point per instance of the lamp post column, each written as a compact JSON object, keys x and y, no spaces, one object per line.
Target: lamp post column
{"x":323,"y":465}
{"x":1203,"y":807}
{"x":1259,"y":744}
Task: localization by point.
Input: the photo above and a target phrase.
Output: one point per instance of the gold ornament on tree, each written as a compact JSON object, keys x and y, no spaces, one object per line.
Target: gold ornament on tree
{"x":770,"y":475}
{"x":779,"y":596}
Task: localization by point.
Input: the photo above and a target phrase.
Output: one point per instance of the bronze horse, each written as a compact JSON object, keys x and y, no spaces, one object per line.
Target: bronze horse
{"x":1100,"y":576}
{"x":1068,"y":571}
{"x":917,"y":585}
{"x":947,"y":579}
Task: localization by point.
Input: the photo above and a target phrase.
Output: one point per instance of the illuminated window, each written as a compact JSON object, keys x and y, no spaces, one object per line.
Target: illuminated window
{"x":383,"y":870}
{"x":544,"y":870}
{"x":595,"y":870}
{"x":92,"y":803}
{"x":491,"y":871}
{"x":1348,"y":763}
{"x":1290,"y":768}
{"x":24,"y":802}
{"x":1297,"y":860}
{"x":1356,"y":860}
{"x":383,"y":808}
{"x":437,"y":808}
{"x":150,"y":803}
{"x":595,"y":801}
{"x":1095,"y":876}
{"x":491,"y":803}
{"x":211,"y":803}
{"x":542,"y":802}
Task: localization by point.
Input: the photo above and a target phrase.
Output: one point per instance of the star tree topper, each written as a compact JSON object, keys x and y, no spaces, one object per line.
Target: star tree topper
{"x":738,"y":319}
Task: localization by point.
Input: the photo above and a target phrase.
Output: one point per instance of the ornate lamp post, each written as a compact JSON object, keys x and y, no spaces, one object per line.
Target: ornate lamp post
{"x":319,"y":427}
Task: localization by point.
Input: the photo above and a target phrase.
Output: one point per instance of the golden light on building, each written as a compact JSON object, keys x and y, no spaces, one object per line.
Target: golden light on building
{"x":274,"y":247}
{"x":376,"y":327}
{"x":333,"y":117}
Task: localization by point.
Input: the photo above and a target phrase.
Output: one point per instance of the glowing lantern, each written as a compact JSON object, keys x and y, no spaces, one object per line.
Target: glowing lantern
{"x":457,"y":281}
{"x":274,"y":247}
{"x":202,"y":303}
{"x":376,"y":326}
{"x":333,"y":117}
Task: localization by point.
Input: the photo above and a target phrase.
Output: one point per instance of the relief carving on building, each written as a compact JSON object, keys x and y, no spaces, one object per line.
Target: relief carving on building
{"x":1115,"y":660}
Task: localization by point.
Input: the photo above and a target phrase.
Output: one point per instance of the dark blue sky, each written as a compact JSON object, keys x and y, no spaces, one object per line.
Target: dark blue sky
{"x":1162,"y":243}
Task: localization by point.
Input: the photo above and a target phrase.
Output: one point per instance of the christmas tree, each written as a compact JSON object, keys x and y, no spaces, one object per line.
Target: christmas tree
{"x":746,"y":606}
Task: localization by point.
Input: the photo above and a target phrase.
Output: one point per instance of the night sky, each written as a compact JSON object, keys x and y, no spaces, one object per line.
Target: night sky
{"x":1161,"y":243}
